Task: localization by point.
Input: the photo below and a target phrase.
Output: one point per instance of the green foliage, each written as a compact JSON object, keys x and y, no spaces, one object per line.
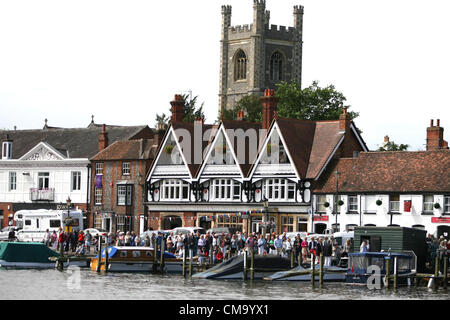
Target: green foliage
{"x":191,"y":112}
{"x":311,"y":103}
{"x":252,"y":107}
{"x":392,"y":146}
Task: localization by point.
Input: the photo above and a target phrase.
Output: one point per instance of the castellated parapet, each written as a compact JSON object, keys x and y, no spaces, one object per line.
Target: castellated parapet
{"x":257,"y":56}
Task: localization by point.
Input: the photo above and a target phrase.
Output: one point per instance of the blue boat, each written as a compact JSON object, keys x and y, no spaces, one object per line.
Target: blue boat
{"x":361,"y":266}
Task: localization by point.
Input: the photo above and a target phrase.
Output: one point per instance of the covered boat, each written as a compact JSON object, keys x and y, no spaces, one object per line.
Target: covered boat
{"x":362,"y":264}
{"x":234,"y":267}
{"x":332,"y":274}
{"x":136,"y":259}
{"x":27,"y":255}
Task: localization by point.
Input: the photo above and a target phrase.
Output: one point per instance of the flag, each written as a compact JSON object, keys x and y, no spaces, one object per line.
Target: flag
{"x":98,"y":183}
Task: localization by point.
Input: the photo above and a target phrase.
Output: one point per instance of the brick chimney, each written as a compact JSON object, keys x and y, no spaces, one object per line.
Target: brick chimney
{"x":159,"y":134}
{"x":177,"y":109}
{"x":344,"y":121}
{"x":269,"y":108}
{"x":240,"y":115}
{"x":103,"y":139}
{"x":435,"y":137}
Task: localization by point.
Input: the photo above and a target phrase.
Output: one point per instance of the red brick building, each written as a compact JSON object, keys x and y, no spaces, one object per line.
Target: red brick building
{"x":118,"y":184}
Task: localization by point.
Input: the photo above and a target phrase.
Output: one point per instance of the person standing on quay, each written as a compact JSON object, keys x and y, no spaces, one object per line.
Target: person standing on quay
{"x":327,"y":252}
{"x":261,"y":245}
{"x":278,"y":244}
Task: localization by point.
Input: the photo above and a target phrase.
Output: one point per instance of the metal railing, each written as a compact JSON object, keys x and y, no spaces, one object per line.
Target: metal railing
{"x":42,"y":194}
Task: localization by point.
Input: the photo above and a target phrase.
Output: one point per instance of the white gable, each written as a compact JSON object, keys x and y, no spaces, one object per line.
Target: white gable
{"x":170,"y":161}
{"x":274,"y":158}
{"x":43,"y":152}
{"x":220,"y":158}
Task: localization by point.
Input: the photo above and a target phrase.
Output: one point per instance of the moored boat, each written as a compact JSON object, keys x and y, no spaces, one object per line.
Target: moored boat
{"x":264,"y":265}
{"x":362,"y":266}
{"x":27,"y":255}
{"x":300,"y":273}
{"x":136,"y":259}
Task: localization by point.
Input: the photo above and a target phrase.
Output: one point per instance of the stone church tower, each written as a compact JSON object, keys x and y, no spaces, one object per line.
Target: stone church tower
{"x":255,"y":57}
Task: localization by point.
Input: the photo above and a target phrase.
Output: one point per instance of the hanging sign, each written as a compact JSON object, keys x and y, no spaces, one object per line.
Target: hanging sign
{"x":407,"y":206}
{"x":320,"y":218}
{"x":440,"y":220}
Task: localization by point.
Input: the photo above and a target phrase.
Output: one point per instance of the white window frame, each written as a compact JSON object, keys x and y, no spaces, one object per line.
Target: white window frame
{"x":45,"y":178}
{"x":126,"y":168}
{"x":99,"y":168}
{"x":124,"y":194}
{"x":172,"y":190}
{"x":273,"y":189}
{"x":12,"y":181}
{"x":427,"y":205}
{"x":353,"y":205}
{"x":98,"y":195}
{"x":321,"y":204}
{"x":225,"y":190}
{"x":396,"y":202}
{"x":76,"y":181}
{"x":447,"y":204}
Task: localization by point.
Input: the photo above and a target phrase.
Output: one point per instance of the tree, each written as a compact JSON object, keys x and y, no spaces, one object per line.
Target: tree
{"x":392,"y":146}
{"x":190,"y":112}
{"x":311,"y":103}
{"x":251,"y":105}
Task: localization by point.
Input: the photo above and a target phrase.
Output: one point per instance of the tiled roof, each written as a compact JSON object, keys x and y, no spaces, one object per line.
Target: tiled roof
{"x":381,"y":172}
{"x":78,"y":142}
{"x":245,"y":126}
{"x":141,"y":149}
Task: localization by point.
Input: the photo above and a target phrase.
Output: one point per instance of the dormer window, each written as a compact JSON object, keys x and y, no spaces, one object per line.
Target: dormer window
{"x":7,"y":150}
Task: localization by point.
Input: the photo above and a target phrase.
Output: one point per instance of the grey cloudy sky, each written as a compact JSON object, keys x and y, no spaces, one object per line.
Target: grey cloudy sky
{"x":123,"y":61}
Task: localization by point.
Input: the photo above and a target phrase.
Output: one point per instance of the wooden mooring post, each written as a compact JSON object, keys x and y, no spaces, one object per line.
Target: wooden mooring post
{"x":292,"y":259}
{"x":155,"y":255}
{"x":191,"y":257}
{"x":436,"y":273}
{"x":99,"y":264}
{"x":245,"y":264}
{"x":106,"y":255}
{"x":313,"y":271}
{"x":161,"y":258}
{"x":184,"y":261}
{"x":252,"y":264}
{"x":445,"y":272}
{"x":60,"y":263}
{"x":388,"y":270}
{"x":395,"y":273}
{"x":321,"y":270}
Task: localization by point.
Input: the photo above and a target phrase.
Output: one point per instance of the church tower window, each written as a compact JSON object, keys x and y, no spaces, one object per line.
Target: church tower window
{"x":240,"y":66}
{"x":276,"y":67}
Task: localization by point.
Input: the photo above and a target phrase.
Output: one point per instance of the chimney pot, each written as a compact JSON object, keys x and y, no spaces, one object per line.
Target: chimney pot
{"x":177,"y":109}
{"x":432,"y":123}
{"x":438,"y":124}
{"x":269,"y":108}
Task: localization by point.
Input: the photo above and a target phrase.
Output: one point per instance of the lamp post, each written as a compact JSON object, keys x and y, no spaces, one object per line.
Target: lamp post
{"x":69,"y":203}
{"x":337,"y":173}
{"x":266,"y":215}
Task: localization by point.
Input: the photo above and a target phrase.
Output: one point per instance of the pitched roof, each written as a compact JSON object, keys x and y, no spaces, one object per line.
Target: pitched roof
{"x":245,"y":164}
{"x":77,"y":142}
{"x":190,"y":155}
{"x":141,"y":149}
{"x":381,"y":172}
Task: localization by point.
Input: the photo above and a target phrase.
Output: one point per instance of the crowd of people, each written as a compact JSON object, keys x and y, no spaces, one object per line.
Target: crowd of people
{"x":220,"y":246}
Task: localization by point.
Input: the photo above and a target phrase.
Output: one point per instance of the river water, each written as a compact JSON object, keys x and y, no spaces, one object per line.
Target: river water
{"x":87,"y":284}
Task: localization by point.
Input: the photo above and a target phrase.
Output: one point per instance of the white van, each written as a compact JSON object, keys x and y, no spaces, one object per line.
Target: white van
{"x":34,"y":223}
{"x":188,"y":230}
